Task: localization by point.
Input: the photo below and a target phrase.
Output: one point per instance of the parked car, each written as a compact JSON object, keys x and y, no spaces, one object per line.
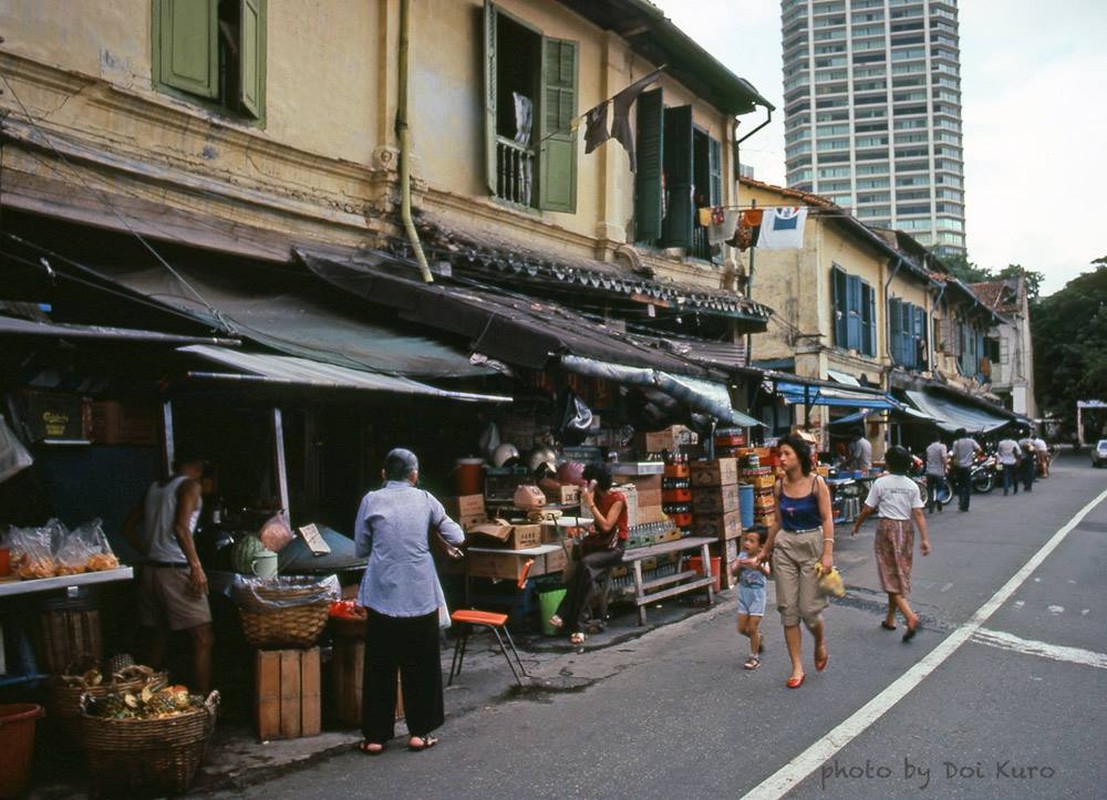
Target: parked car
{"x":1099,"y":453}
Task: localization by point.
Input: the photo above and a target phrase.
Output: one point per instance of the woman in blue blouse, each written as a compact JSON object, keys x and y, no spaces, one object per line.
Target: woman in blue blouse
{"x":801,"y":539}
{"x":401,"y":590}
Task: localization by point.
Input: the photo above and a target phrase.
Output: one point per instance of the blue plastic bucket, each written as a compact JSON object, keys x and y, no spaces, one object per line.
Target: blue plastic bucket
{"x":745,"y":504}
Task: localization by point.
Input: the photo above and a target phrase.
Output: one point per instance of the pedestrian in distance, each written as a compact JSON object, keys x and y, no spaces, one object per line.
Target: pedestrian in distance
{"x":172,"y":585}
{"x":1009,"y":455}
{"x":401,"y":591}
{"x":897,"y":501}
{"x":860,"y":453}
{"x":1029,"y":465}
{"x":1042,"y":449}
{"x":937,"y":460}
{"x":961,"y":454}
{"x":752,"y":577}
{"x":800,"y":542}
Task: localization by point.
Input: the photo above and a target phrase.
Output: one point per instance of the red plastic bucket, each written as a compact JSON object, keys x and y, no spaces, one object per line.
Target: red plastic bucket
{"x":17,"y":746}
{"x":695,"y":563}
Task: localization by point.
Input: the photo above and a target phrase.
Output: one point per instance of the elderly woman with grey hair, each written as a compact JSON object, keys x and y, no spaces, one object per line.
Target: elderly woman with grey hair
{"x":400,"y":589}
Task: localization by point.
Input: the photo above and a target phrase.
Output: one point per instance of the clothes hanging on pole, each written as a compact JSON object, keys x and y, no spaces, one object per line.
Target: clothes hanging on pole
{"x":595,"y":130}
{"x":782,"y":228}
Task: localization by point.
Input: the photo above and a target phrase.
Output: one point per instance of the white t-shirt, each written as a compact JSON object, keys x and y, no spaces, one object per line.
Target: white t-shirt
{"x":893,"y":496}
{"x":936,"y":457}
{"x":963,"y":451}
{"x":1008,"y":451}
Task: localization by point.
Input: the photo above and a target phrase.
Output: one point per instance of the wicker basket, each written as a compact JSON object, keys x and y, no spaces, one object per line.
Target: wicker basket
{"x":63,"y":702}
{"x":286,"y":612}
{"x":131,"y":756}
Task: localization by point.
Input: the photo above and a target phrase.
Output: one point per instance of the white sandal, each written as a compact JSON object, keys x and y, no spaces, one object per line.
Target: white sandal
{"x":753,"y":662}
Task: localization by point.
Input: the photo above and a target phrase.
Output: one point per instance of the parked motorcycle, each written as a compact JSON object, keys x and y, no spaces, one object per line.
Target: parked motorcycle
{"x":983,"y":473}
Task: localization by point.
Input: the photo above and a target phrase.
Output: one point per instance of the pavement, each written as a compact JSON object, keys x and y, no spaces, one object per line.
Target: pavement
{"x":236,"y":758}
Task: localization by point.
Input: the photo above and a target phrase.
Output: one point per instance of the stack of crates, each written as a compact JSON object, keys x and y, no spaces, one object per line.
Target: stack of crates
{"x":676,"y":494}
{"x":715,"y":506}
{"x":762,"y":478}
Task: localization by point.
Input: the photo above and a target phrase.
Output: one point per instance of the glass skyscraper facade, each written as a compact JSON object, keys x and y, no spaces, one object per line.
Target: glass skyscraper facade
{"x":872,"y":112}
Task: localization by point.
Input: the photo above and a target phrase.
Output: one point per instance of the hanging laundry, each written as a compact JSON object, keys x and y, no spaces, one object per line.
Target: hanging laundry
{"x":743,"y":234}
{"x":621,"y":128}
{"x":703,"y":215}
{"x":595,"y":131}
{"x":722,"y":225}
{"x":524,"y":117}
{"x":782,"y":228}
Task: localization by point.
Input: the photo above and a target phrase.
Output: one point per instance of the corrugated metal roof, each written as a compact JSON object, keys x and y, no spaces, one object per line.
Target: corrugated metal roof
{"x":294,"y":371}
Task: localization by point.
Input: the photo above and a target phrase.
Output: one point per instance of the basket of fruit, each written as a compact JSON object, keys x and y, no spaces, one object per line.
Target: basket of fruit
{"x":284,"y":611}
{"x":64,"y":692}
{"x":149,"y":741}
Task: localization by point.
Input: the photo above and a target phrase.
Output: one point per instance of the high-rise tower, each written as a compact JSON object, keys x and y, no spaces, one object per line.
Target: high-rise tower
{"x":872,"y":112}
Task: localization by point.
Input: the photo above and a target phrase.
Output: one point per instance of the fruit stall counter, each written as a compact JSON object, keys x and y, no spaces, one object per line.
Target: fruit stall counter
{"x":14,"y":586}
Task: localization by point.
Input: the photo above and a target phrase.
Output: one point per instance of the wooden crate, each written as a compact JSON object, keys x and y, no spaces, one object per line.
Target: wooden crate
{"x":288,"y":694}
{"x":66,"y":637}
{"x":715,"y":499}
{"x":719,"y":526}
{"x":719,"y":472}
{"x":347,"y":671}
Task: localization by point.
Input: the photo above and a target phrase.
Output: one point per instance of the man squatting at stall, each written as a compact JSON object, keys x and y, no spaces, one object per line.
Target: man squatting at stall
{"x":172,"y":586}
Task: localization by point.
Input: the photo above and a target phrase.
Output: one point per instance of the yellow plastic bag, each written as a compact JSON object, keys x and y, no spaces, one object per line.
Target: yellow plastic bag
{"x":830,"y":583}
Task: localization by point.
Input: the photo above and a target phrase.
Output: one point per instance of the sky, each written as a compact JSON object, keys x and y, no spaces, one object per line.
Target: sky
{"x":1034,"y":113}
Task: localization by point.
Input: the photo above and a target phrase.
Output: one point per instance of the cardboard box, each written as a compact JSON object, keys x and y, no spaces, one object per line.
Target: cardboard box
{"x":466,"y":505}
{"x":499,"y":532}
{"x":288,"y":698}
{"x":666,"y":439}
{"x":499,"y":566}
{"x":720,"y":526}
{"x":643,"y":483}
{"x":51,"y":415}
{"x":719,"y":472}
{"x":715,"y":499}
{"x":115,"y":422}
{"x":567,"y":495}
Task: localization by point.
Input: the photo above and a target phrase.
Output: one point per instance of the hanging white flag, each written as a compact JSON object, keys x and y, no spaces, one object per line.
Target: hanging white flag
{"x":782,"y":228}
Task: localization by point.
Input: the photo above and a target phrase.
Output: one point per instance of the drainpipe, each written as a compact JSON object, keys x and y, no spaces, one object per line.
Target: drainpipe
{"x":404,"y":133}
{"x":749,"y":278}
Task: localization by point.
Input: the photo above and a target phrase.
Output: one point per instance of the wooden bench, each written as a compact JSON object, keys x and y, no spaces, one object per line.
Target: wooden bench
{"x":681,"y":581}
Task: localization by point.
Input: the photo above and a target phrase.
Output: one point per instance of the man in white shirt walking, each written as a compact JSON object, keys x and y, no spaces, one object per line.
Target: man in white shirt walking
{"x":1009,"y":455}
{"x":962,"y":453}
{"x":937,"y":458}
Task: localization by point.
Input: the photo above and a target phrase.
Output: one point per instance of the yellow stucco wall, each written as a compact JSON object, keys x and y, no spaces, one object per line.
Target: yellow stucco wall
{"x":324,"y":160}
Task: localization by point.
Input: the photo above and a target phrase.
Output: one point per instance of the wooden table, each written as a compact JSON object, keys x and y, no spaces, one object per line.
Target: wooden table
{"x":682,"y":581}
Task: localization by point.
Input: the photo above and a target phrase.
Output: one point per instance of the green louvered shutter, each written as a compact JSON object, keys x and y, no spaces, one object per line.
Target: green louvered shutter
{"x":647,"y":180}
{"x":676,"y":228}
{"x":491,"y":171}
{"x":841,"y":311}
{"x":557,"y":158}
{"x":252,"y":55}
{"x":715,"y":172}
{"x":188,"y":47}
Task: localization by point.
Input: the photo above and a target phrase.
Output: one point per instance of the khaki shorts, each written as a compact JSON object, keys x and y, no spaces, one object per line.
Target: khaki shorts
{"x":797,"y":584}
{"x":165,"y":597}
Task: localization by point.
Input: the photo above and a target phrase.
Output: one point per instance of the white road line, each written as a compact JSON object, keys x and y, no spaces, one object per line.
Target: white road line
{"x":791,"y":774}
{"x":1007,"y":641}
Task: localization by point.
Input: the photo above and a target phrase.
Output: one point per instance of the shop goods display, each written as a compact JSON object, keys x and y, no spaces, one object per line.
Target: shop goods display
{"x":284,"y":611}
{"x":85,"y":678}
{"x":347,"y":619}
{"x":52,"y":549}
{"x":149,"y":742}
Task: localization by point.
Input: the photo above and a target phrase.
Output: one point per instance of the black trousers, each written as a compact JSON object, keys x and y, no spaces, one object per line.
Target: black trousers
{"x":583,"y":581}
{"x":409,"y":646}
{"x":962,"y":481}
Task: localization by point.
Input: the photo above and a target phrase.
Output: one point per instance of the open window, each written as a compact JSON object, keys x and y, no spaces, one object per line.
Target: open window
{"x":530,"y":103}
{"x":679,"y":169}
{"x":212,"y":51}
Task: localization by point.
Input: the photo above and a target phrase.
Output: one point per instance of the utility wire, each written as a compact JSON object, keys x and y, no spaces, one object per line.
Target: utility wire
{"x":102,"y":196}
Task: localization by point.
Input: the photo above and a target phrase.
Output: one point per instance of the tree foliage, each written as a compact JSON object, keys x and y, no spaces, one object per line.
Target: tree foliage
{"x":1069,"y":330}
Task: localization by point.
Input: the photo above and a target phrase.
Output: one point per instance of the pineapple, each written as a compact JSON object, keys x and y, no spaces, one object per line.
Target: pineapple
{"x":111,"y":706}
{"x":161,"y":704}
{"x":116,"y":663}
